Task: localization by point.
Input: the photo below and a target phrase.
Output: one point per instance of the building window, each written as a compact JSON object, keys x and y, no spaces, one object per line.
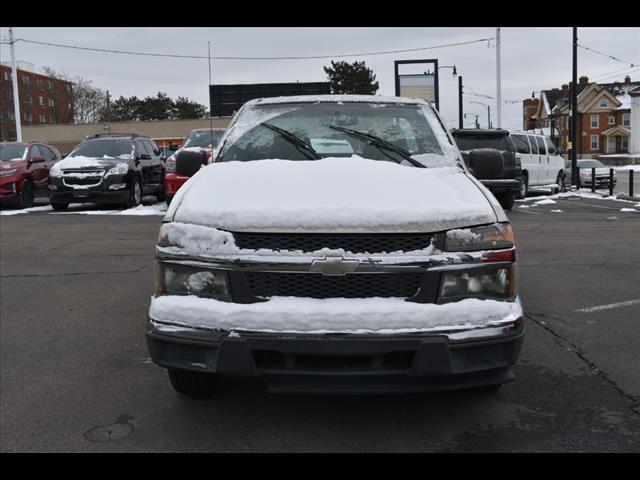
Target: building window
{"x":41,"y":101}
{"x":626,"y":119}
{"x":40,"y":83}
{"x":51,"y":119}
{"x":11,"y":116}
{"x":28,"y":117}
{"x":7,"y":76}
{"x":595,"y":121}
{"x":625,"y":143}
{"x":43,"y":118}
{"x":594,"y":142}
{"x":26,"y":80}
{"x":27,"y":99}
{"x":612,"y":120}
{"x":604,"y":103}
{"x":49,"y":84}
{"x":51,"y":103}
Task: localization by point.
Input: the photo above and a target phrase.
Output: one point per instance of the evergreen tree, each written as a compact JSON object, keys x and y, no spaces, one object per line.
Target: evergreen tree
{"x":351,"y":78}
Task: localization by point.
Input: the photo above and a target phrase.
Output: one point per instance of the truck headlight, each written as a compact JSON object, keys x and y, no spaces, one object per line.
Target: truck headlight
{"x":485,"y":283}
{"x":184,"y":280}
{"x":170,"y":165}
{"x":490,"y":237}
{"x":8,"y":173}
{"x":119,"y":169}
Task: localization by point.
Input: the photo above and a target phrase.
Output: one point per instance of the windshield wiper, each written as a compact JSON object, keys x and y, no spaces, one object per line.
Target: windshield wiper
{"x":297,"y":141}
{"x":380,"y":143}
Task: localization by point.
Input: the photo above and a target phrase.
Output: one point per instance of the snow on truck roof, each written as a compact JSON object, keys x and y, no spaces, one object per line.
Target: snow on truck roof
{"x":336,"y":99}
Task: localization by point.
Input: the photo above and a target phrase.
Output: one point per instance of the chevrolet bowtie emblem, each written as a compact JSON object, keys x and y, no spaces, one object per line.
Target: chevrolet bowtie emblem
{"x":334,"y":266}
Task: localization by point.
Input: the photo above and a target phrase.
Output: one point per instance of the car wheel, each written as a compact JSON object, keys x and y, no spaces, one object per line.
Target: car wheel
{"x":507,"y":200}
{"x":135,"y":194}
{"x":25,"y":199}
{"x":560,"y":182}
{"x":59,"y":205}
{"x":524,"y":186}
{"x":194,"y":384}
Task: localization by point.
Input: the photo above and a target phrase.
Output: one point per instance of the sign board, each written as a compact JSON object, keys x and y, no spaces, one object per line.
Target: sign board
{"x":422,"y":85}
{"x":225,"y":100}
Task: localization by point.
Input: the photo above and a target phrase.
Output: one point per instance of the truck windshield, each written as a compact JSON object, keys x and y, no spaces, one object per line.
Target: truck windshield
{"x":203,"y":139}
{"x":101,"y":148}
{"x":306,"y":131}
{"x":9,"y":153}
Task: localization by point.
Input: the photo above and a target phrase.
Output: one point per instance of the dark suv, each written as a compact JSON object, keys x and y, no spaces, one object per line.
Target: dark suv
{"x":24,"y":169}
{"x":505,"y":185}
{"x":116,"y":168}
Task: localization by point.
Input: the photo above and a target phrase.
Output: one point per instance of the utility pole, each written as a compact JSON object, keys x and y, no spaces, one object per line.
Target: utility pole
{"x":210,"y":99}
{"x":498,"y":80}
{"x":489,"y":117}
{"x":16,"y":97}
{"x":460,"y":111}
{"x":574,"y":111}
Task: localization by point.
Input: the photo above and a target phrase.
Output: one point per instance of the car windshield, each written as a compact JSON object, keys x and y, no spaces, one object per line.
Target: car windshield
{"x":470,"y":142}
{"x":203,"y":139}
{"x":101,"y":148}
{"x":306,"y":131}
{"x":10,"y":153}
{"x":590,"y":164}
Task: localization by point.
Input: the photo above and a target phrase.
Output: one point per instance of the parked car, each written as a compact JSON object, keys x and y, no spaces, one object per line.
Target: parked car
{"x":507,"y":185}
{"x":200,"y":139}
{"x":602,"y":173}
{"x":380,"y":264}
{"x":108,"y":168}
{"x":542,"y":164}
{"x":24,"y":169}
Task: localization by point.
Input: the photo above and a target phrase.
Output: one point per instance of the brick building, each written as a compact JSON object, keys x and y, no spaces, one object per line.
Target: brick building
{"x":43,"y":100}
{"x":604,"y":116}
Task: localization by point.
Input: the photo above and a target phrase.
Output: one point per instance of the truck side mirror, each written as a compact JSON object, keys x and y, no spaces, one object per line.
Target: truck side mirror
{"x":189,"y":162}
{"x":486,"y":163}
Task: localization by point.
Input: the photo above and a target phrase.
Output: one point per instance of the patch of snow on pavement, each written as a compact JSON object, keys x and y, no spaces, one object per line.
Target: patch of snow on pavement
{"x":46,"y":208}
{"x":626,"y":168}
{"x":556,"y":211}
{"x":629,"y":210}
{"x":140,"y":210}
{"x":547,"y":201}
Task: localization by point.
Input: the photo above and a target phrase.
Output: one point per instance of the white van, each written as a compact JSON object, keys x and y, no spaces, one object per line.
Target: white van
{"x":541,"y":162}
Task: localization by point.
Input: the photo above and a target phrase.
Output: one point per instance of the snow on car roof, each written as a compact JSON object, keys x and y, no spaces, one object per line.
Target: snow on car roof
{"x":337,"y":98}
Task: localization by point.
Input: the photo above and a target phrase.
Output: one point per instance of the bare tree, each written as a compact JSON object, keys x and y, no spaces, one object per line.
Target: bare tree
{"x":88,"y":103}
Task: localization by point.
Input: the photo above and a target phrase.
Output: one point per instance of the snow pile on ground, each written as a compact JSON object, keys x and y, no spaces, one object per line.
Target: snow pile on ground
{"x":140,"y":210}
{"x":626,"y":168}
{"x":583,"y":193}
{"x":45,"y":208}
{"x":546,"y":201}
{"x":556,"y":211}
{"x":332,"y":315}
{"x":332,"y":194}
{"x":629,"y":210}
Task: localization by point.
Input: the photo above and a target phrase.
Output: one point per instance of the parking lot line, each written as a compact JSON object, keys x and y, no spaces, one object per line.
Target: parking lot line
{"x":608,"y":306}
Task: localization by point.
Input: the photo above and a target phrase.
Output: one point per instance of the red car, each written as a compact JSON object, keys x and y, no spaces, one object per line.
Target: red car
{"x":201,"y":138}
{"x":24,"y":170}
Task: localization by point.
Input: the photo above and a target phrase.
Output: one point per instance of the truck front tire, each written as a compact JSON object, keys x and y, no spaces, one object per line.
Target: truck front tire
{"x":194,"y":384}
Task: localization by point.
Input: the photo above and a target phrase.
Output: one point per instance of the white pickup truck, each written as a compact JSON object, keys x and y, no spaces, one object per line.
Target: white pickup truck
{"x":336,"y":244}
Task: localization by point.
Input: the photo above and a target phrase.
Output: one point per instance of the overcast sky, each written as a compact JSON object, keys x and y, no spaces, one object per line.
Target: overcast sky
{"x":532,"y":59}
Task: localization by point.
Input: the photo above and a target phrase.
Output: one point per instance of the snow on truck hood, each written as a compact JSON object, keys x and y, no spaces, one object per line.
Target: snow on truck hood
{"x":333,"y":194}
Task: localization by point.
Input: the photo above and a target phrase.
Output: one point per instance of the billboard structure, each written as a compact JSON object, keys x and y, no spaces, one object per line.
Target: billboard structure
{"x":418,"y":85}
{"x":227,"y":99}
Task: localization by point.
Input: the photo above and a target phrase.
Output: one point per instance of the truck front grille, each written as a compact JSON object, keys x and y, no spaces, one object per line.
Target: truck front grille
{"x":361,"y":285}
{"x":351,"y":242}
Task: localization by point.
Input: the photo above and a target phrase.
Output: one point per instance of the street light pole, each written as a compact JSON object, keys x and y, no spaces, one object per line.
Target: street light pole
{"x":16,"y":96}
{"x":574,"y":111}
{"x":488,"y":113}
{"x":498,"y":80}
{"x":460,"y":111}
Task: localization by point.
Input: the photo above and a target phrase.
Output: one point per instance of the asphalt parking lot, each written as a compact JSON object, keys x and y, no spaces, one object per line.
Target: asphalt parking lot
{"x":76,"y":376}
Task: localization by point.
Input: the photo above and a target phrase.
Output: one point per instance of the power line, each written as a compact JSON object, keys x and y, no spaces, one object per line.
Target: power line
{"x":606,"y":55}
{"x":149,"y":54}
